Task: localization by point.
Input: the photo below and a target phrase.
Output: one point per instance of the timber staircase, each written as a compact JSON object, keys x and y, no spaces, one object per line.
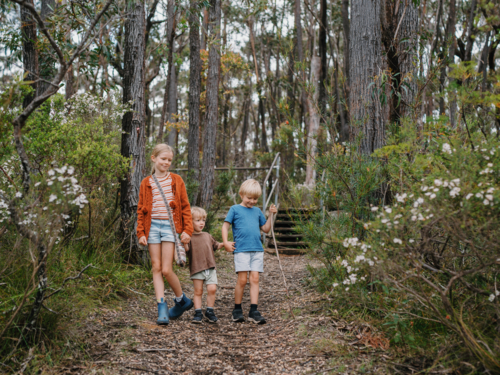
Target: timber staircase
{"x":288,"y":240}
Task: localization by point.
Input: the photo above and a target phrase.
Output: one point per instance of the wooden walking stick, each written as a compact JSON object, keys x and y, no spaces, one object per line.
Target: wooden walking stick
{"x":281,"y":268}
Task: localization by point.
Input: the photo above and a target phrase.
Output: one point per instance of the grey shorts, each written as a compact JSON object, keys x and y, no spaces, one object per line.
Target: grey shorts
{"x":209,"y":276}
{"x":249,"y":261}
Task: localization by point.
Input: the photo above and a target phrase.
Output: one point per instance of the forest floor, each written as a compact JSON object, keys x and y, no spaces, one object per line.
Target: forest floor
{"x":126,"y":340}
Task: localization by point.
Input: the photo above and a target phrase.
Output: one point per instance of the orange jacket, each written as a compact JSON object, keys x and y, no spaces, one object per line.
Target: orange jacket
{"x":181,"y":210}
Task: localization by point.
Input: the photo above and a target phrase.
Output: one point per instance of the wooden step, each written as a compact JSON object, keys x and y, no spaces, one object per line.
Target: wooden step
{"x":280,"y":230}
{"x":288,"y":244}
{"x":302,"y":210}
{"x":278,"y":223}
{"x":285,"y":251}
{"x":277,"y":235}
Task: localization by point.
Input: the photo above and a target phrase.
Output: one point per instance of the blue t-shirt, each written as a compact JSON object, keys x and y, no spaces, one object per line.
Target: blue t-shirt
{"x":246,"y":223}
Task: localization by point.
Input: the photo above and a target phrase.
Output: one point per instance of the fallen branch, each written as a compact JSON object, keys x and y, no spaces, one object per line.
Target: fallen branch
{"x":68,"y":279}
{"x":142,"y":369}
{"x":132,"y":290}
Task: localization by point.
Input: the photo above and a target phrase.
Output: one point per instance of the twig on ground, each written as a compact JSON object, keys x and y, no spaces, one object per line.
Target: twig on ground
{"x":132,"y":290}
{"x":26,"y":361}
{"x":52,"y":311}
{"x":68,"y":279}
{"x":142,"y":369}
{"x":156,"y":350}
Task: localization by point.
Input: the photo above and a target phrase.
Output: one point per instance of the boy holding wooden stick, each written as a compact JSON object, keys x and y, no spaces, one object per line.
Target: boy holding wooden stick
{"x":247,"y":221}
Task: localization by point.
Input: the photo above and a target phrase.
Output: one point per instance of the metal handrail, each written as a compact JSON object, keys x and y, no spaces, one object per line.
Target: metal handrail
{"x":271,"y":167}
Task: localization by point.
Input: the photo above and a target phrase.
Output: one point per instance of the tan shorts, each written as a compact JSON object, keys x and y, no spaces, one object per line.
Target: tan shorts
{"x":210,"y":276}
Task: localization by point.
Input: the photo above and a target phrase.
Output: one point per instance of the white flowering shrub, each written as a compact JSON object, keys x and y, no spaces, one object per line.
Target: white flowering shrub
{"x":427,"y":261}
{"x":43,"y":211}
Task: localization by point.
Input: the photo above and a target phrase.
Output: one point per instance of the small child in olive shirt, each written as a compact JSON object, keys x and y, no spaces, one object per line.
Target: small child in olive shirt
{"x":200,"y":252}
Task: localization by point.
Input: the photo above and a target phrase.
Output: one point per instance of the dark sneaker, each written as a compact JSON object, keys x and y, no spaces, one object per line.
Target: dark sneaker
{"x":255,"y":317}
{"x":238,"y":316}
{"x":197,"y":318}
{"x":210,"y":315}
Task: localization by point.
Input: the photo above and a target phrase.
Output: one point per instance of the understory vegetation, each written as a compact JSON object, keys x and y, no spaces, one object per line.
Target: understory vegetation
{"x":409,"y":237}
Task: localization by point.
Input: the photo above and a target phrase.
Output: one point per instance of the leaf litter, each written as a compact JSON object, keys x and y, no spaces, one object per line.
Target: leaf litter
{"x":127,"y":340}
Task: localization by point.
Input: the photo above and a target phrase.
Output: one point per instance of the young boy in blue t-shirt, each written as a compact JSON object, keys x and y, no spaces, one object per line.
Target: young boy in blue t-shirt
{"x":247,"y":221}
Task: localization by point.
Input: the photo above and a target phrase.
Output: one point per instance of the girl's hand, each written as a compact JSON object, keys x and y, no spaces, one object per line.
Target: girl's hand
{"x":221,"y":245}
{"x":273,"y":209}
{"x":185,"y":238}
{"x":143,"y":241}
{"x":230,"y":246}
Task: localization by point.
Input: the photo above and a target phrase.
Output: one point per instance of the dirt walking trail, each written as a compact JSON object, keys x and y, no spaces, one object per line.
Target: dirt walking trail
{"x":129,"y":341}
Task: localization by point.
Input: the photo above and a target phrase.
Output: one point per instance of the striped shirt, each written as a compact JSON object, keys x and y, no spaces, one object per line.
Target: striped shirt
{"x":159,"y":210}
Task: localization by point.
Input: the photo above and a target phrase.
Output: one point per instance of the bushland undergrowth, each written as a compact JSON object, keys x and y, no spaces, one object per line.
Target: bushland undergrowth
{"x":409,"y":240}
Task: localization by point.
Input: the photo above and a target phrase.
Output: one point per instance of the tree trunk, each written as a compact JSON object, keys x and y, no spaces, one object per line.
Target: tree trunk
{"x":344,"y":126}
{"x":70,"y":83}
{"x":483,"y":62}
{"x":322,"y":96}
{"x":346,"y":26}
{"x":244,"y":130}
{"x":399,"y":30}
{"x":225,"y":129}
{"x":299,"y":56}
{"x":133,"y":123}
{"x":46,"y":61}
{"x":204,"y":30}
{"x":172,"y":105}
{"x":450,"y":31}
{"x":407,"y":43}
{"x":470,"y":31}
{"x":365,"y":63}
{"x":314,"y":120}
{"x":30,"y":53}
{"x":170,"y":32}
{"x":212,"y":106}
{"x":194,"y":92}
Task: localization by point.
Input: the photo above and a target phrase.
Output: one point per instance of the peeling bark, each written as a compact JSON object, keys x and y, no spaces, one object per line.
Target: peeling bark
{"x":133,"y":122}
{"x":212,"y":107}
{"x":366,"y":63}
{"x":194,"y":91}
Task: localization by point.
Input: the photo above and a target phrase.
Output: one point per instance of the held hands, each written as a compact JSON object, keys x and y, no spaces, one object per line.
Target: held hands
{"x":273,"y":209}
{"x":230,"y":246}
{"x":143,"y":241}
{"x":185,"y":238}
{"x":221,"y":245}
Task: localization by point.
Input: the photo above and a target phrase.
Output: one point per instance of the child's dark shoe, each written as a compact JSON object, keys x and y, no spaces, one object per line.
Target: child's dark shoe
{"x":198,"y":317}
{"x":255,"y":317}
{"x":210,"y":315}
{"x":238,"y":316}
{"x":180,"y":307}
{"x":162,"y":313}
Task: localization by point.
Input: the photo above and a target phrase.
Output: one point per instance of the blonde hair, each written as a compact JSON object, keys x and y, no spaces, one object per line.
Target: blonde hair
{"x":160,"y":148}
{"x":198,"y":212}
{"x":250,"y":188}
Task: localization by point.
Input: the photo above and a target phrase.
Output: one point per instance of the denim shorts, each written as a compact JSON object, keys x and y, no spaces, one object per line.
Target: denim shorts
{"x":160,"y":232}
{"x":249,"y":261}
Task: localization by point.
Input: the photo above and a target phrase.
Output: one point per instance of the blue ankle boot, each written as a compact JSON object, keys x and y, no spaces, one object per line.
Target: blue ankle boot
{"x":162,"y":313}
{"x":184,"y":305}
